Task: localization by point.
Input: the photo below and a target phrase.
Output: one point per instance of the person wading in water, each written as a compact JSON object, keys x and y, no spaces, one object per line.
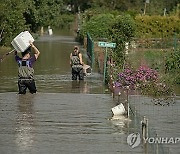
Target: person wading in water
{"x":76,"y":64}
{"x":25,"y":70}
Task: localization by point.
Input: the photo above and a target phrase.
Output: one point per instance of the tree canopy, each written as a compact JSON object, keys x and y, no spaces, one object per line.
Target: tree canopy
{"x":20,"y":15}
{"x":137,"y":6}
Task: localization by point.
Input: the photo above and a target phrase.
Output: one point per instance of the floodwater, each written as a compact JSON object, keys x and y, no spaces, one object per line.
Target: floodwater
{"x":61,"y":123}
{"x":52,"y":69}
{"x":64,"y":116}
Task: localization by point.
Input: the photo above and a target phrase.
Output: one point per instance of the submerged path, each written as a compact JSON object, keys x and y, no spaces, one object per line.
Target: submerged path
{"x":61,"y":123}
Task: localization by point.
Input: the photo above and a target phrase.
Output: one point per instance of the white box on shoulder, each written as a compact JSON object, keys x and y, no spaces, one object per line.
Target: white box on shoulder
{"x":21,"y":41}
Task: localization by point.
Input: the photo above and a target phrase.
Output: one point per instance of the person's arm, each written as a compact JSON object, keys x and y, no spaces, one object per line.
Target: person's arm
{"x":36,"y":51}
{"x":80,"y":58}
{"x":16,"y":56}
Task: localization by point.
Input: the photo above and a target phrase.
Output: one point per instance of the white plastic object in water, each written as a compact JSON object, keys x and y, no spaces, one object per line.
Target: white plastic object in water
{"x":50,"y":32}
{"x":21,"y":41}
{"x":87,"y":69}
{"x":118,"y":110}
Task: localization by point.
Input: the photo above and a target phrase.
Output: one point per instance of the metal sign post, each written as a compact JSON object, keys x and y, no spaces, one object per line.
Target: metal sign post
{"x":106,"y":45}
{"x":105,"y":61}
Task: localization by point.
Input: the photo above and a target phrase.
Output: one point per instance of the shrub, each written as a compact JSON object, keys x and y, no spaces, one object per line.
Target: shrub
{"x":131,"y":78}
{"x":143,"y":79}
{"x":172,"y":62}
{"x":98,"y":25}
{"x":172,"y":66}
{"x":157,"y":26}
{"x":120,"y":32}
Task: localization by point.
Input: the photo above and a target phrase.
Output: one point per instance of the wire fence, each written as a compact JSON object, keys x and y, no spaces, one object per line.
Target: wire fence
{"x":162,"y":120}
{"x":172,"y":43}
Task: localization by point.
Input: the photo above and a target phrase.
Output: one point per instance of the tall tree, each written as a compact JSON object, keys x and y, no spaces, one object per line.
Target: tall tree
{"x":46,"y":12}
{"x":12,"y":20}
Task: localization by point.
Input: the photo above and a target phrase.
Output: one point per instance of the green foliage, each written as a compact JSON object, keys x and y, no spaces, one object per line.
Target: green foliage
{"x":11,"y":19}
{"x":172,"y":62}
{"x":155,"y":59}
{"x":116,"y":28}
{"x":47,"y":11}
{"x":64,"y":20}
{"x":20,"y":15}
{"x":155,"y":7}
{"x":176,"y":11}
{"x":172,"y":67}
{"x":98,"y":25}
{"x":157,"y":26}
{"x":167,"y":63}
{"x":121,"y":31}
{"x":88,"y":14}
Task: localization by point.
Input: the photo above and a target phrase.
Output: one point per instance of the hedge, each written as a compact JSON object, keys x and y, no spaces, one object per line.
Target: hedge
{"x":157,"y":26}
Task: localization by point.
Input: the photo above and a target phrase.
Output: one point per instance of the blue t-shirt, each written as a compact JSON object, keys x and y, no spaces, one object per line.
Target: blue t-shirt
{"x":31,"y":60}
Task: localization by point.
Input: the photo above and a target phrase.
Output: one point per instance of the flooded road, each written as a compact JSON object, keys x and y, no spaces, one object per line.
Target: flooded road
{"x":52,"y":69}
{"x":64,"y":116}
{"x":61,"y":123}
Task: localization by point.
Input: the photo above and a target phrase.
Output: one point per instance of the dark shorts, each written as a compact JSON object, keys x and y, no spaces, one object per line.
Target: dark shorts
{"x":77,"y":73}
{"x":23,"y":84}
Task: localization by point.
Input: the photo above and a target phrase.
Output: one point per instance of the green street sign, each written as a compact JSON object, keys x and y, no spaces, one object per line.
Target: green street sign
{"x":102,"y":44}
{"x":106,"y":44}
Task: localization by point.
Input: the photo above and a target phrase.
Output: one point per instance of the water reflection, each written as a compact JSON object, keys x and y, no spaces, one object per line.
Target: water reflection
{"x":120,"y":123}
{"x":80,"y":86}
{"x":25,"y":121}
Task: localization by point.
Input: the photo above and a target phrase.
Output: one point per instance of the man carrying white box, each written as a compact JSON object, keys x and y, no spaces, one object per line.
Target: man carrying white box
{"x":25,"y":70}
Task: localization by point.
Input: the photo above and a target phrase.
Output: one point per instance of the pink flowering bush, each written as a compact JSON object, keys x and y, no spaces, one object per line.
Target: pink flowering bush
{"x":145,"y":74}
{"x":133,"y":78}
{"x":126,"y":78}
{"x":144,"y":79}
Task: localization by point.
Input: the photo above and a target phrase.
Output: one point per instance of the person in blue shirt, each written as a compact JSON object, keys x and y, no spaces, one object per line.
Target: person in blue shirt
{"x":25,"y":69}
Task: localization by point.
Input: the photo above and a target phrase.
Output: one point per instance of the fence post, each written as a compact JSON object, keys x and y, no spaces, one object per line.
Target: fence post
{"x":157,"y":146}
{"x":127,"y":100}
{"x":119,"y":96}
{"x":113,"y":89}
{"x":144,"y":124}
{"x":147,"y":125}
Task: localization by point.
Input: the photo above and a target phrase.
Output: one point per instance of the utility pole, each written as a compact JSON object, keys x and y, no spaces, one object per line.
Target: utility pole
{"x":145,"y":5}
{"x":164,"y":11}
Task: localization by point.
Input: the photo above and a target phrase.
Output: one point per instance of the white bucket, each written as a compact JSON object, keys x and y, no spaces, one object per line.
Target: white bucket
{"x":21,"y":41}
{"x":118,"y":110}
